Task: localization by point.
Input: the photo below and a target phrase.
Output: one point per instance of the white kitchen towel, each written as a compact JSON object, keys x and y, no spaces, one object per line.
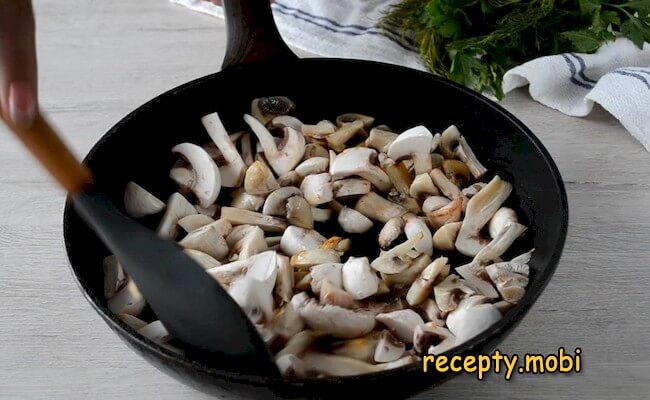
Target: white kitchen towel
{"x":617,"y":76}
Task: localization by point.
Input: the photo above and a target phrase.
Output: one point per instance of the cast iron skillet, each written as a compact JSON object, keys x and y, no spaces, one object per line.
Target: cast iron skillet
{"x":258,"y":63}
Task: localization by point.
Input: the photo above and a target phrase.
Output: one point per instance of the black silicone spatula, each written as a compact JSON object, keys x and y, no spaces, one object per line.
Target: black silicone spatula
{"x":194,"y":308}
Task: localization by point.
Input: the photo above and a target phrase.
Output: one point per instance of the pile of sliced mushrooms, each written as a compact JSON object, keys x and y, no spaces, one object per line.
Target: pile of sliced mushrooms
{"x":248,"y":209}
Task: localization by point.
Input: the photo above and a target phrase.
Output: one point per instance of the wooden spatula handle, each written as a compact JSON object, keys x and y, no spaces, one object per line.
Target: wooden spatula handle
{"x":43,"y":142}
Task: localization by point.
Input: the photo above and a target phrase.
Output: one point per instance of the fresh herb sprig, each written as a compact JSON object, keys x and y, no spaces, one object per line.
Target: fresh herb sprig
{"x":474,"y":42}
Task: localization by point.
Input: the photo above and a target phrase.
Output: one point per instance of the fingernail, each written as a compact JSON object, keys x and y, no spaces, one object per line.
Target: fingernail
{"x":22,"y":103}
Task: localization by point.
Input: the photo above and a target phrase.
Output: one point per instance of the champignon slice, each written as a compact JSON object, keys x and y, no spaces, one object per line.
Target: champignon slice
{"x":139,"y":203}
{"x":472,"y":189}
{"x":430,"y":338}
{"x":259,"y":180}
{"x":313,"y":150}
{"x":414,"y":143}
{"x":237,"y":233}
{"x":388,"y":348}
{"x":282,"y":157}
{"x":299,"y":343}
{"x":292,"y":367}
{"x":398,"y":258}
{"x":391,"y":230}
{"x":378,"y":208}
{"x":422,"y":286}
{"x":295,"y":239}
{"x":264,"y":109}
{"x":432,"y":313}
{"x":207,"y":185}
{"x":208,"y":240}
{"x":450,"y":213}
{"x":226,"y":274}
{"x":308,"y":258}
{"x":184,"y":178}
{"x":401,"y":323}
{"x":405,"y":278}
{"x":291,"y":178}
{"x":477,"y":278}
{"x":345,"y":132}
{"x":351,"y":117}
{"x":127,"y":300}
{"x":211,"y":211}
{"x":194,"y":222}
{"x":415,"y":226}
{"x":283,"y":121}
{"x":334,"y":320}
{"x":232,"y":172}
{"x":254,"y":291}
{"x":398,"y":174}
{"x":177,"y":208}
{"x":456,"y":171}
{"x":447,"y":187}
{"x":433,"y":203}
{"x":252,"y":243}
{"x":362,"y":348}
{"x":317,"y":189}
{"x":285,"y":279}
{"x":330,"y":294}
{"x":510,"y":279}
{"x":247,"y":201}
{"x":203,"y":259}
{"x":299,"y":212}
{"x":311,"y":166}
{"x":276,"y":202}
{"x":450,"y":291}
{"x":350,"y":187}
{"x":445,"y":238}
{"x":465,"y":153}
{"x":500,"y":244}
{"x":423,"y":186}
{"x":319,"y":131}
{"x":332,"y":365}
{"x":114,"y":277}
{"x":352,"y":221}
{"x":268,"y":223}
{"x":358,"y":279}
{"x":321,"y":214}
{"x":471,"y":318}
{"x":357,"y":161}
{"x":331,"y":272}
{"x":380,"y":139}
{"x":286,"y":322}
{"x":155,"y":331}
{"x":134,"y":323}
{"x":500,"y":220}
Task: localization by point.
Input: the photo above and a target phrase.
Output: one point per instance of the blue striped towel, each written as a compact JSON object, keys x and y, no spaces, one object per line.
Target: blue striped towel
{"x":617,"y":77}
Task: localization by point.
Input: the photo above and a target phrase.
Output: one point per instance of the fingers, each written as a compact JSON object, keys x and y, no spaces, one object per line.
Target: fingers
{"x":18,"y":76}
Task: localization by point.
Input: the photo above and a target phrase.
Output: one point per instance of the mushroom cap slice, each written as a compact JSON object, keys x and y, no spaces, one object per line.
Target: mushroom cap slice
{"x":422,"y":286}
{"x":362,"y":348}
{"x":334,"y":320}
{"x":299,"y":212}
{"x":352,"y":221}
{"x":380,"y":139}
{"x":321,"y":214}
{"x":254,"y":291}
{"x":177,"y":208}
{"x":358,"y":279}
{"x":357,"y":161}
{"x":194,"y":221}
{"x":405,"y":278}
{"x":127,"y":300}
{"x":450,"y":291}
{"x":296,"y":239}
{"x":276,"y":202}
{"x":286,"y":322}
{"x":331,"y":272}
{"x":447,"y":187}
{"x":500,"y":220}
{"x":267,"y":108}
{"x":350,"y":187}
{"x":282,"y":157}
{"x":283,"y":121}
{"x":388,"y":348}
{"x":415,"y":226}
{"x":378,"y":208}
{"x":351,"y":117}
{"x":232,"y":172}
{"x":391,"y":231}
{"x":314,"y":165}
{"x":477,"y":278}
{"x":456,"y":171}
{"x":114,"y":276}
{"x":470,"y":319}
{"x":398,"y":258}
{"x":238,"y":216}
{"x":450,"y":213}
{"x":139,"y":203}
{"x":207,"y":185}
{"x":333,"y":365}
{"x":317,"y":189}
{"x":445,"y":238}
{"x":423,"y":186}
{"x":247,"y":201}
{"x":203,"y":259}
{"x":430,"y":338}
{"x":330,"y":294}
{"x":415,"y":143}
{"x":208,"y":240}
{"x":308,"y":258}
{"x":259,"y":179}
{"x":155,"y":331}
{"x":401,"y":323}
{"x":510,"y":284}
{"x":251,"y":244}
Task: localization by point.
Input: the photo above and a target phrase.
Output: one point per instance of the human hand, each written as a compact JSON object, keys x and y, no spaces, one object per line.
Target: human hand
{"x":18,"y":76}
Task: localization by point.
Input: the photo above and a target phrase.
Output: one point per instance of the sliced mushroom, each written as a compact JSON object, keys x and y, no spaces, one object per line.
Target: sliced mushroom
{"x":208,"y":240}
{"x":259,"y":180}
{"x":308,"y":258}
{"x":295,"y":239}
{"x":331,"y":272}
{"x":254,"y":291}
{"x":334,"y":320}
{"x":330,"y":294}
{"x":380,"y":139}
{"x":345,"y":132}
{"x":203,"y":259}
{"x":414,"y":143}
{"x":285,"y":279}
{"x":397,"y":173}
{"x":422,"y":286}
{"x":127,"y":300}
{"x":500,"y":220}
{"x":226,"y":274}
{"x":405,"y":278}
{"x":456,"y":171}
{"x":401,"y":323}
{"x":378,"y":208}
{"x":430,"y":338}
{"x":114,"y":276}
{"x":415,"y":226}
{"x":472,"y":189}
{"x":291,"y":178}
{"x":246,"y":149}
{"x":299,"y":343}
{"x":476,"y":277}
{"x":184,"y":178}
{"x":352,"y":221}
{"x":358,"y":279}
{"x":392,"y":229}
{"x":332,"y":365}
{"x":299,"y":212}
{"x":237,"y":233}
{"x":264,"y":109}
{"x":433,"y":203}
{"x":276,"y":202}
{"x":312,"y":166}
{"x":139,"y":203}
{"x":134,"y":323}
{"x":357,"y":161}
{"x":268,"y":223}
{"x":423,"y":186}
{"x":510,"y":279}
{"x":211,"y":211}
{"x":177,"y":208}
{"x":450,"y":291}
{"x":445,"y":237}
{"x":350,"y":187}
{"x":388,"y":348}
{"x":450,"y":213}
{"x":207,"y":184}
{"x":447,"y":187}
{"x":286,"y":322}
{"x":291,"y":366}
{"x":362,"y":348}
{"x":232,"y":172}
{"x":251,"y":244}
{"x":313,"y":150}
{"x":398,"y":258}
{"x":500,"y":244}
{"x":471,"y":318}
{"x":432,"y":313}
{"x":321,"y":214}
{"x":156,"y":332}
{"x":317,"y":189}
{"x":466,"y":154}
{"x":284,"y":156}
{"x":194,"y":222}
{"x":319,"y":131}
{"x":247,"y":201}
{"x":351,"y":117}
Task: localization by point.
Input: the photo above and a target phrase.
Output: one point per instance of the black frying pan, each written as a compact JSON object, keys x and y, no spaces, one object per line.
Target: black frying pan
{"x":258,"y":63}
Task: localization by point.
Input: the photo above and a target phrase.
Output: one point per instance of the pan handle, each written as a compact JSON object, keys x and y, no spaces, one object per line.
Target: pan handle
{"x":252,"y":34}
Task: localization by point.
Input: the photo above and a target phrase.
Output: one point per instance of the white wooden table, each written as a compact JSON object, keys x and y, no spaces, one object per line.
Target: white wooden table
{"x":100,"y":59}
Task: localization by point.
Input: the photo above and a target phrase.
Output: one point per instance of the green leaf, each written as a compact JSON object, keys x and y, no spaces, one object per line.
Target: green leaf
{"x":589,"y":6}
{"x":582,"y":41}
{"x":637,"y":31}
{"x":642,"y":6}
